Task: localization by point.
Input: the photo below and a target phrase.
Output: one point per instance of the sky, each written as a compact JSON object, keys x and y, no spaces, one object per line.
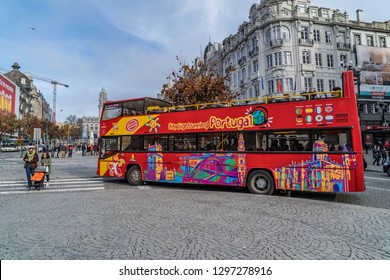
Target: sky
{"x":127,"y":47}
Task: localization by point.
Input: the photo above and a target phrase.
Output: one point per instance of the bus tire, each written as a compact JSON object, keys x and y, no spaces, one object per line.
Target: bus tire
{"x":261,"y":182}
{"x":134,"y":176}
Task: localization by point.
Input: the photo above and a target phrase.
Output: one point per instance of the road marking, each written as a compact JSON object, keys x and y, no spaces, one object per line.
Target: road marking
{"x":378,"y":189}
{"x":53,"y":190}
{"x":375,"y":178}
{"x":64,"y":185}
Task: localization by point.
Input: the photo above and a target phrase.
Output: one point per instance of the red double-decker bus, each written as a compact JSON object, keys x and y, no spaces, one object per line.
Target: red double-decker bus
{"x":309,"y":142}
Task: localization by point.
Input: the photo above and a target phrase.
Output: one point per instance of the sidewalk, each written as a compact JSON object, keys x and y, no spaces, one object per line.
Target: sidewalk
{"x":370,"y":159}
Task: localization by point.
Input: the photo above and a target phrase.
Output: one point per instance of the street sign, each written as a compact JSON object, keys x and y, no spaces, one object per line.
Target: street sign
{"x":37,"y":134}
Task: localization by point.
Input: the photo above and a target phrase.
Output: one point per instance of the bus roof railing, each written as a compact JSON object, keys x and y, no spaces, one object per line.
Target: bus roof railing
{"x":303,"y":96}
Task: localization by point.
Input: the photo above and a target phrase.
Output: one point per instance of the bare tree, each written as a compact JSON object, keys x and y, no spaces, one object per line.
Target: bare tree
{"x":197,"y":84}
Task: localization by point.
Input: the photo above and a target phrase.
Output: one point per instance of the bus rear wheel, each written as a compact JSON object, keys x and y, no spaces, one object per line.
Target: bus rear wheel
{"x":261,"y":182}
{"x":134,"y":176}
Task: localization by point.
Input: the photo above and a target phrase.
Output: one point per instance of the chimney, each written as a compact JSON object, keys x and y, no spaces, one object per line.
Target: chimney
{"x":359,"y":15}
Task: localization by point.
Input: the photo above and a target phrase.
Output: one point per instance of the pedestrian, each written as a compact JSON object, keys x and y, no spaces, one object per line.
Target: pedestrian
{"x":384,"y":155}
{"x":30,"y":163}
{"x":376,"y":154}
{"x":63,"y":150}
{"x":70,"y":150}
{"x":95,"y":150}
{"x":83,"y":149}
{"x":46,"y":162}
{"x":58,"y":149}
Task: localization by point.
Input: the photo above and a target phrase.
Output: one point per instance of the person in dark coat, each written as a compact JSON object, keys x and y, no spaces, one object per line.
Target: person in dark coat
{"x":376,"y":153}
{"x":30,"y":163}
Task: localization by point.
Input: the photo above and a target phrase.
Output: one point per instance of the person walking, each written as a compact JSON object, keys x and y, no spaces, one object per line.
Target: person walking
{"x":83,"y":149}
{"x":46,"y":162}
{"x":30,"y":163}
{"x":376,"y":154}
{"x":384,"y":155}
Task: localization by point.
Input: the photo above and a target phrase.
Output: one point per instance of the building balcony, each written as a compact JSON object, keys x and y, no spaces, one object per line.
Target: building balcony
{"x":242,"y":60}
{"x":308,"y":67}
{"x":343,"y":46}
{"x":276,"y":43}
{"x":306,"y":42}
{"x":254,"y":52}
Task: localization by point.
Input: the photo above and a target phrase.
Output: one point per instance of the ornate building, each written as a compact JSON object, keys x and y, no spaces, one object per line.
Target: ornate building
{"x":292,"y":46}
{"x":31,"y":101}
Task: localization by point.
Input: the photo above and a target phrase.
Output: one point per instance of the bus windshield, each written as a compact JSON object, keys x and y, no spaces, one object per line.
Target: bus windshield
{"x":112,"y":110}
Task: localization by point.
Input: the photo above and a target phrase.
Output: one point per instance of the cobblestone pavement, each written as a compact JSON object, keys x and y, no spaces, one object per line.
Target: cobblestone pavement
{"x":153,"y":223}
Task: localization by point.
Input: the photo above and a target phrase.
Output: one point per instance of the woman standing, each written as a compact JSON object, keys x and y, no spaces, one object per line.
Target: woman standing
{"x":376,"y":153}
{"x":46,"y":162}
{"x":30,"y":163}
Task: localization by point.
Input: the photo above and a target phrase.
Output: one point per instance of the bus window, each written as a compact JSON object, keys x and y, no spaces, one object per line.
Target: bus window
{"x":132,"y":143}
{"x":109,"y":146}
{"x":112,"y":111}
{"x":157,"y":139}
{"x":182,"y":142}
{"x":210,"y":141}
{"x":295,"y":141}
{"x":133,"y":107}
{"x":337,"y":139}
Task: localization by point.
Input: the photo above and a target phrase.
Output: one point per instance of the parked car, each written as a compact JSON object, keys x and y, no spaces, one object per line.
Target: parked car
{"x":386,"y":167}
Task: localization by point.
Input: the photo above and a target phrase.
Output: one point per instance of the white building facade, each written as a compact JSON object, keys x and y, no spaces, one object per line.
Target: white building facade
{"x":291,"y":46}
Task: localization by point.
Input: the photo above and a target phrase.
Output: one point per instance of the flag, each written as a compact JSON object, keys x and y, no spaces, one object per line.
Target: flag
{"x":280,"y":87}
{"x":262,"y":83}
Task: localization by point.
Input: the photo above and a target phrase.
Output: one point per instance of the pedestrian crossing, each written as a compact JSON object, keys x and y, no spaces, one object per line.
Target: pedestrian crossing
{"x":55,"y":186}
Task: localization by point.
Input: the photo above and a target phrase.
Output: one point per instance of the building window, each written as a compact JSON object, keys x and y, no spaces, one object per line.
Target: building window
{"x":278,"y":58}
{"x":305,"y":33}
{"x":306,"y":57}
{"x":243,"y":73}
{"x":382,"y":42}
{"x":314,"y":13}
{"x":343,"y":60}
{"x":287,"y":58}
{"x":257,"y":90}
{"x":255,"y":65}
{"x":276,"y":32}
{"x":268,"y":36}
{"x":269,"y":61}
{"x":370,"y":41}
{"x":316,"y":34}
{"x":308,"y":84}
{"x":289,"y":84}
{"x":270,"y":86}
{"x":332,"y":84}
{"x":328,"y":37}
{"x":318,"y":59}
{"x":325,"y":13}
{"x":330,"y":60}
{"x":302,"y":7}
{"x":320,"y":85}
{"x":357,"y":39}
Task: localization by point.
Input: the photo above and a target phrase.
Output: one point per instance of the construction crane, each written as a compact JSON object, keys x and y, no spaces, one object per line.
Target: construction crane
{"x":54,"y":83}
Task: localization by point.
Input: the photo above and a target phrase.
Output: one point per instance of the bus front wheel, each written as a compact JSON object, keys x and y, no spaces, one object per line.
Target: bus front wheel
{"x":261,"y":182}
{"x":134,"y":176}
